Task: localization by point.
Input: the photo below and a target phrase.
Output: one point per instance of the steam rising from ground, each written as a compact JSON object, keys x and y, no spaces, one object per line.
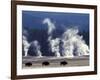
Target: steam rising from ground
{"x":53,"y":43}
{"x":51,"y":26}
{"x":70,"y":43}
{"x":73,"y":44}
{"x":25,"y":45}
{"x":36,"y":48}
{"x":34,"y":44}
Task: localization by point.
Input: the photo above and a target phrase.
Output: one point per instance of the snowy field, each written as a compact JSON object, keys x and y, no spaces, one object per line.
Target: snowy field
{"x":55,"y":62}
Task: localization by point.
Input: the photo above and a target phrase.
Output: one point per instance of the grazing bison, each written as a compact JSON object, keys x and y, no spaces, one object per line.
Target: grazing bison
{"x":63,"y":63}
{"x":45,"y":63}
{"x":28,"y":64}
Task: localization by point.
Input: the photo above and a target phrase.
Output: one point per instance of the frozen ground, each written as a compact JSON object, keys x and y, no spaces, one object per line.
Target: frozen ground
{"x":37,"y":62}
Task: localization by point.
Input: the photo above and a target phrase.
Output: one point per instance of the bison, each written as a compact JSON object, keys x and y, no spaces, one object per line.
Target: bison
{"x":28,"y":64}
{"x":63,"y":63}
{"x":45,"y":63}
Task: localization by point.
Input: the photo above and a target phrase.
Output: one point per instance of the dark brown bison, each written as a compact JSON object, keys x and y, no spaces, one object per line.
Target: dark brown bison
{"x":63,"y":63}
{"x":45,"y":63}
{"x":28,"y":64}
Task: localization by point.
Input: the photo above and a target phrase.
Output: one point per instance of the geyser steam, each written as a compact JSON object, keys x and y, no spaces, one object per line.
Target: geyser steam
{"x":25,"y":45}
{"x":53,"y":43}
{"x":70,"y":44}
{"x":37,"y":48}
{"x":51,"y":26}
{"x":73,"y":44}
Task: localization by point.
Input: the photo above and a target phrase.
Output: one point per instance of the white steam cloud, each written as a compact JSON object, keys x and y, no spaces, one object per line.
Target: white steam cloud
{"x":51,"y":26}
{"x":26,"y":45}
{"x":70,"y":43}
{"x":34,"y":43}
{"x":53,"y":43}
{"x":73,"y":44}
{"x":37,"y":48}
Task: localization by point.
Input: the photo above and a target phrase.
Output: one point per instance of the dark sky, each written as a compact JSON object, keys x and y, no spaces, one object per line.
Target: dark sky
{"x":34,"y":19}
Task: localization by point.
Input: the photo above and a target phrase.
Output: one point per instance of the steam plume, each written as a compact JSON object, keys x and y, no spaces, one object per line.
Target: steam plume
{"x":25,"y":45}
{"x":34,"y":43}
{"x":51,"y":26}
{"x":70,"y":43}
{"x":73,"y":44}
{"x":53,"y":43}
{"x":37,"y":48}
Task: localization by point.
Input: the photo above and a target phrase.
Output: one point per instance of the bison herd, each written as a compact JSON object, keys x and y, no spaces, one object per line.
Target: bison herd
{"x":46,"y":63}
